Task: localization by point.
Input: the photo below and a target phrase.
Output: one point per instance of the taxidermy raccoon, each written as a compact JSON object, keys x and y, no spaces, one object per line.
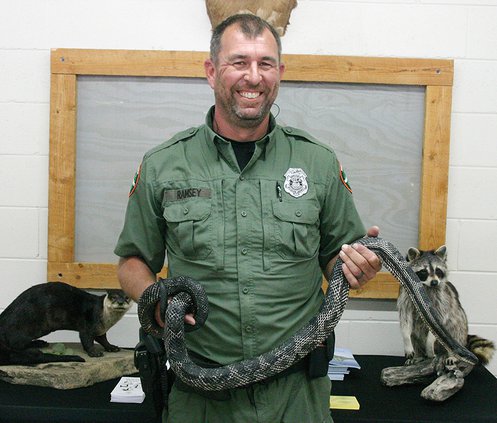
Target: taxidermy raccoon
{"x":419,"y":343}
{"x":52,"y":306}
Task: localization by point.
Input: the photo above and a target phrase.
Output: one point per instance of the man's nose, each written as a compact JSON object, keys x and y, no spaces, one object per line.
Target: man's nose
{"x":253,"y":75}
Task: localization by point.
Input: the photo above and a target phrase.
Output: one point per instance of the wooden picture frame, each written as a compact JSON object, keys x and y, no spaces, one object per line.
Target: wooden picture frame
{"x":436,"y":75}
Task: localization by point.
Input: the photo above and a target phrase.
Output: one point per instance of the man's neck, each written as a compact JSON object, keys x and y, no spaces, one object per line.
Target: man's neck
{"x":236,"y":133}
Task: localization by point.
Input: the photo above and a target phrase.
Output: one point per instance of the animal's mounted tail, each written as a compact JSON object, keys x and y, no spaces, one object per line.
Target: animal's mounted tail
{"x":483,"y":348}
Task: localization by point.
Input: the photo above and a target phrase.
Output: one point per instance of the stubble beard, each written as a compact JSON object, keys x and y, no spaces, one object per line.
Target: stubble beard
{"x":241,"y":117}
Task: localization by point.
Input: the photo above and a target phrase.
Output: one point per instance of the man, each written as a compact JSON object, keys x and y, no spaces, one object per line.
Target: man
{"x":256,"y":213}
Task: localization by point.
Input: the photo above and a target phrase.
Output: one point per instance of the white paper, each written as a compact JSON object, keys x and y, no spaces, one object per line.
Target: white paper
{"x":128,"y":390}
{"x":343,"y":360}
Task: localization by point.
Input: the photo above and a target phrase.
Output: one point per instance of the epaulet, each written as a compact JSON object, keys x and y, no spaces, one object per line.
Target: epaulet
{"x":180,"y":136}
{"x":304,"y":135}
{"x":299,"y":133}
{"x":183,"y":135}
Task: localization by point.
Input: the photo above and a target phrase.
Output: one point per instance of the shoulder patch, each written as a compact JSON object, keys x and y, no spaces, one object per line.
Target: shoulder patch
{"x":135,"y":181}
{"x":343,"y":178}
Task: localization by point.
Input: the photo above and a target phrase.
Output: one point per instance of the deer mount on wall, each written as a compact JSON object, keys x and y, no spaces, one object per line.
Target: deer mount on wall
{"x":276,"y":12}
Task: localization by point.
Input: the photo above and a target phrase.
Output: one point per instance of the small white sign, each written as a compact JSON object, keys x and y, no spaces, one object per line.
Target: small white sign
{"x":129,"y":390}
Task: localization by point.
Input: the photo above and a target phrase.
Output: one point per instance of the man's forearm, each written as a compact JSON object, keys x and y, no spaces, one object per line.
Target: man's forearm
{"x":329,"y":268}
{"x":134,"y":276}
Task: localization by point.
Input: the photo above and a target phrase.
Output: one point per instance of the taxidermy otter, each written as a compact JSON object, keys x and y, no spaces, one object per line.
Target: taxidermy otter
{"x":52,"y":306}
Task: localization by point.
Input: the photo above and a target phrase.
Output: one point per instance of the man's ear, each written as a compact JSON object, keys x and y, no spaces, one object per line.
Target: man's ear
{"x":282,"y":70}
{"x":210,"y":72}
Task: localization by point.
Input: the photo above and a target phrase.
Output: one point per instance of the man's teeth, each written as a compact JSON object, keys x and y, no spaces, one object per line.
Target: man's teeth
{"x":249,"y":94}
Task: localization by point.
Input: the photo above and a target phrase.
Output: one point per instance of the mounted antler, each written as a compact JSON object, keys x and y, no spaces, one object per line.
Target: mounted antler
{"x":276,"y":12}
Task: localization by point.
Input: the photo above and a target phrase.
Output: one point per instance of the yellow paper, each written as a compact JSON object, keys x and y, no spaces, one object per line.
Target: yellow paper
{"x":343,"y":402}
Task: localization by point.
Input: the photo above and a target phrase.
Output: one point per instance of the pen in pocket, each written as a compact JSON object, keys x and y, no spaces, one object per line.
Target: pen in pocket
{"x":278,"y":191}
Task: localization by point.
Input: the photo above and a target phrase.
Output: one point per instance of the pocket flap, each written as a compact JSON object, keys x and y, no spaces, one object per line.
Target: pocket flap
{"x":189,"y":210}
{"x":301,"y":211}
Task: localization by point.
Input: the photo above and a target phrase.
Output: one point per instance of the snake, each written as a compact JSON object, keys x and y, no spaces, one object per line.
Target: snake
{"x":188,"y":296}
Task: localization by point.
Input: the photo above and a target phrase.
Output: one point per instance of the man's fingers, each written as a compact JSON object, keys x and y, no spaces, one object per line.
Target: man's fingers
{"x":189,"y":318}
{"x":373,"y":231}
{"x":353,"y":281}
{"x":360,"y":264}
{"x":158,"y":317}
{"x":360,"y":260}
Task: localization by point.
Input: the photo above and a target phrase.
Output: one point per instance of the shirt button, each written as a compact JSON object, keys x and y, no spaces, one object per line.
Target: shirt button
{"x":298,"y":213}
{"x":242,"y":178}
{"x":248,"y":329}
{"x":244,"y":251}
{"x":185,"y":210}
{"x":245,"y":290}
{"x":244,"y":213}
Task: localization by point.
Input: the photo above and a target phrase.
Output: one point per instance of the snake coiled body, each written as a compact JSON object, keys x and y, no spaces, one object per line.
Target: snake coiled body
{"x":189,"y":296}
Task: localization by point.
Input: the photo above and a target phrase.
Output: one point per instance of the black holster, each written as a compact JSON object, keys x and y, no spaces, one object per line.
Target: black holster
{"x":320,"y":357}
{"x":150,"y":360}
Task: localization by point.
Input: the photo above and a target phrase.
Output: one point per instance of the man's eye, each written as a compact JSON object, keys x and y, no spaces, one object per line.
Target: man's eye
{"x":266,"y":65}
{"x":239,"y":64}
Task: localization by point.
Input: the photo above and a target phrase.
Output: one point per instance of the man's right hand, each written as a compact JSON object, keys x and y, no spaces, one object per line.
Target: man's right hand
{"x":135,"y":276}
{"x":189,"y":319}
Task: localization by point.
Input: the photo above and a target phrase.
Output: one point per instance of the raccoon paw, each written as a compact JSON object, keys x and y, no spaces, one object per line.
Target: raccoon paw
{"x":451,"y":371}
{"x":409,"y":357}
{"x":413,"y":360}
{"x":440,"y":365}
{"x":450,"y":362}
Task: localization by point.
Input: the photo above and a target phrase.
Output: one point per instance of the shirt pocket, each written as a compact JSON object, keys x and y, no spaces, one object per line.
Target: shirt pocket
{"x":189,"y":228}
{"x":296,"y":230}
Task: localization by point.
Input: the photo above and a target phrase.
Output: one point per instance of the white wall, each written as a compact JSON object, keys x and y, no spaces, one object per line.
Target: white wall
{"x":462,"y":30}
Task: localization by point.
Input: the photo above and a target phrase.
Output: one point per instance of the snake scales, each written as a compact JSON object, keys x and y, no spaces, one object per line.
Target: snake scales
{"x":189,"y":296}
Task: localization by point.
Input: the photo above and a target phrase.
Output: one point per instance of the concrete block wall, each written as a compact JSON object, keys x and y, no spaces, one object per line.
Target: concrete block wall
{"x":463,"y":30}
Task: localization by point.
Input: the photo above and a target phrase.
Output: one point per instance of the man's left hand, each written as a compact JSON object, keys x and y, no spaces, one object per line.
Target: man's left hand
{"x":360,"y":264}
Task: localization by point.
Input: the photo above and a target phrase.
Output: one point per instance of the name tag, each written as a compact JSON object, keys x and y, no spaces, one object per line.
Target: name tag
{"x":182,"y":194}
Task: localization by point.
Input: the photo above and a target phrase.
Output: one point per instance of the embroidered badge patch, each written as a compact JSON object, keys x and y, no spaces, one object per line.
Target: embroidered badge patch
{"x":135,"y":181}
{"x":296,"y":182}
{"x":343,"y":178}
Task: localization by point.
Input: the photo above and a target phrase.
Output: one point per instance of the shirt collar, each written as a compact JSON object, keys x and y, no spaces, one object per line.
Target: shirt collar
{"x":216,"y":140}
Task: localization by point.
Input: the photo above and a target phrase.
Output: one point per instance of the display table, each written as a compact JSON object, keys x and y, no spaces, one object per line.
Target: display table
{"x":34,"y":404}
{"x":475,"y":403}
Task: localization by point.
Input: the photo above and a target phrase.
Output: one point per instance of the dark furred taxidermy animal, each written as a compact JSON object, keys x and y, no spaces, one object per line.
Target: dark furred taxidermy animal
{"x":419,"y":343}
{"x":53,"y":306}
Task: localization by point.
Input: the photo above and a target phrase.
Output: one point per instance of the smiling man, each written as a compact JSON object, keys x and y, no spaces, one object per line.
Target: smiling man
{"x":255,"y":212}
{"x":245,"y":75}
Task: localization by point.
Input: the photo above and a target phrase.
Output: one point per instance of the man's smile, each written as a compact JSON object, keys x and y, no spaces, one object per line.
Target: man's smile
{"x":249,"y":94}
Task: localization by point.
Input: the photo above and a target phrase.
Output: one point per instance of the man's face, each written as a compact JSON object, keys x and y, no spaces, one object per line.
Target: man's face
{"x":245,"y":78}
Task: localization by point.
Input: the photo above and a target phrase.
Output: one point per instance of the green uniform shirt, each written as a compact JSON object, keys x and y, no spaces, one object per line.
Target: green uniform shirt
{"x":256,"y":240}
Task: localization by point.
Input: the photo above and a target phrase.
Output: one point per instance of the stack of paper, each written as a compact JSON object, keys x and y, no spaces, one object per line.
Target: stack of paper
{"x":343,"y":360}
{"x":129,"y":390}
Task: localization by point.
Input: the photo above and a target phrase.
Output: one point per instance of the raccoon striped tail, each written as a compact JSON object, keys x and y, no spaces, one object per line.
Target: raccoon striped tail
{"x":481,"y":347}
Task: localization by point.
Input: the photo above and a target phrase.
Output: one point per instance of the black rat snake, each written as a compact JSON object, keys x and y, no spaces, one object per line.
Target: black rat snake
{"x":189,"y":296}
